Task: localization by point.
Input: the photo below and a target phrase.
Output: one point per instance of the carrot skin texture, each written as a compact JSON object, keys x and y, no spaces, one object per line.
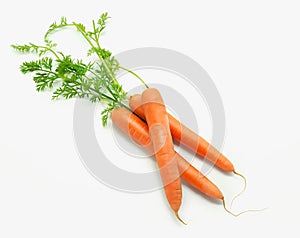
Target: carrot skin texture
{"x":187,"y":137}
{"x":137,"y":129}
{"x":162,"y":142}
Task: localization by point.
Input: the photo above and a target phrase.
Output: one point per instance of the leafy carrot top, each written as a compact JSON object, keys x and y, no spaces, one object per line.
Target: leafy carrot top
{"x":72,"y":78}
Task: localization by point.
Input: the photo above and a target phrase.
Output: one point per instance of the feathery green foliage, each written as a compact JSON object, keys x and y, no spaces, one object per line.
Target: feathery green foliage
{"x":72,"y":78}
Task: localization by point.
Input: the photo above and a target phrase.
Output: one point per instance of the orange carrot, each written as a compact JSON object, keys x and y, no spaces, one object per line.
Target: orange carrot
{"x":160,"y":135}
{"x":137,"y":129}
{"x":187,"y":137}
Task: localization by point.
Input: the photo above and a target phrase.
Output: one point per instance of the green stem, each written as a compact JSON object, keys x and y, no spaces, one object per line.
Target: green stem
{"x":111,"y":99}
{"x":48,"y":71}
{"x":92,"y":72}
{"x":136,"y":75}
{"x":123,"y":105}
{"x":103,"y":95}
{"x":47,"y":48}
{"x":52,"y":51}
{"x":57,"y":27}
{"x":99,"y":56}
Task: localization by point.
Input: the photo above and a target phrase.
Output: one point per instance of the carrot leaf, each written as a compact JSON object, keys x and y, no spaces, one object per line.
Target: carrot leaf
{"x":68,"y":77}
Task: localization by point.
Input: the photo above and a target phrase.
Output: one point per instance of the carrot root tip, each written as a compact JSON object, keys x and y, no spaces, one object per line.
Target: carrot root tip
{"x":238,"y":214}
{"x":178,"y":217}
{"x":243,"y":190}
{"x":224,"y":205}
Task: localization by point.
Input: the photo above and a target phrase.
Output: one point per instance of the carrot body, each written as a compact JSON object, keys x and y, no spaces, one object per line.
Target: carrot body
{"x":137,"y":129}
{"x":187,"y":137}
{"x":162,"y":142}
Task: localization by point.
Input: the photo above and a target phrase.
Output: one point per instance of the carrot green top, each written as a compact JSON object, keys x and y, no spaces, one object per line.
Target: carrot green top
{"x":68,"y":77}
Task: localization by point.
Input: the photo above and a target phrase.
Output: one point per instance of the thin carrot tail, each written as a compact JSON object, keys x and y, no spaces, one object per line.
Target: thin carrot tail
{"x":238,"y":214}
{"x":178,"y":217}
{"x":243,"y":190}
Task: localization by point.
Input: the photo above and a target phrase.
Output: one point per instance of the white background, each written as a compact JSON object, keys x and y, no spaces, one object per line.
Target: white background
{"x":251,"y":50}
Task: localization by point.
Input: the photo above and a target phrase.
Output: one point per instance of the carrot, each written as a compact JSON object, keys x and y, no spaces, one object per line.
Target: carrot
{"x":137,"y":129}
{"x":160,"y":135}
{"x":67,"y":73}
{"x":191,"y":140}
{"x":187,"y":137}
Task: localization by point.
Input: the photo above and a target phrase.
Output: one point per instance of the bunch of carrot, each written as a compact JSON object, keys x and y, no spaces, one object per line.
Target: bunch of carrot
{"x":145,"y":119}
{"x":151,"y":126}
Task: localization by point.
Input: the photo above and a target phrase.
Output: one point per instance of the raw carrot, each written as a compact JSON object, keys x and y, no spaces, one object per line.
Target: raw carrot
{"x":187,"y":137}
{"x":190,"y":139}
{"x":137,"y":129}
{"x":67,"y":73}
{"x":160,"y":135}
